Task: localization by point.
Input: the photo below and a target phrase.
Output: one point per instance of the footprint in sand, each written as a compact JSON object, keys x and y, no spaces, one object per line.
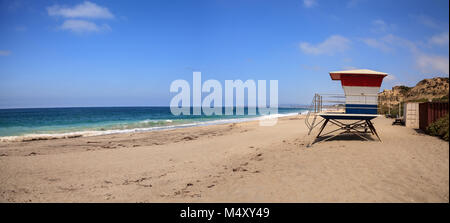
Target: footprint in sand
{"x":189,"y":138}
{"x":109,"y":196}
{"x":239,"y":169}
{"x":140,"y":182}
{"x":52,"y":179}
{"x":258,"y":157}
{"x":184,"y":191}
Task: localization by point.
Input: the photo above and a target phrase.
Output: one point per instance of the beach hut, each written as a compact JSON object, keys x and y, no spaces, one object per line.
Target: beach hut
{"x":361,"y":89}
{"x":411,"y":114}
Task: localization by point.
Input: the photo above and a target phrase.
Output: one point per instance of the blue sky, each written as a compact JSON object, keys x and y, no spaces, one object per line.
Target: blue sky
{"x":126,"y":53}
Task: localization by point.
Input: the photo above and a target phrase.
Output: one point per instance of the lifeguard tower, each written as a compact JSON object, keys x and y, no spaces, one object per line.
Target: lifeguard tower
{"x":352,"y":112}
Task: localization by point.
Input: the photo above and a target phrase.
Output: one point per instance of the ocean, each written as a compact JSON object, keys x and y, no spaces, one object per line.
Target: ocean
{"x":107,"y":120}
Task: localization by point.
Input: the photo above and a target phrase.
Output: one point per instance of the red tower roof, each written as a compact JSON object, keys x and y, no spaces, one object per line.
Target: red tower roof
{"x":361,"y":78}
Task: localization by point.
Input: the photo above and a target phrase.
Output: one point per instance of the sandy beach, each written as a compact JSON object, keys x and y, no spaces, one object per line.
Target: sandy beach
{"x":241,"y":162}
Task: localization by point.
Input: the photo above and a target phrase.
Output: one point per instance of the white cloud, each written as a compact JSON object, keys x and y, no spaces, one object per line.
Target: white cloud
{"x":380,"y":26}
{"x":333,"y":44}
{"x":5,"y":52}
{"x":78,"y":16}
{"x":309,"y":3}
{"x":379,"y":22}
{"x":440,"y":39}
{"x":396,"y":41}
{"x":428,"y":21}
{"x":82,"y":26}
{"x":353,"y":3}
{"x":425,"y":62}
{"x":374,"y":43}
{"x":390,"y":77}
{"x":433,"y":63}
{"x":84,"y":10}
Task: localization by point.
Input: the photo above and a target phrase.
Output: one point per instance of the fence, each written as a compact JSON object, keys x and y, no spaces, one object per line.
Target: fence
{"x":430,"y":112}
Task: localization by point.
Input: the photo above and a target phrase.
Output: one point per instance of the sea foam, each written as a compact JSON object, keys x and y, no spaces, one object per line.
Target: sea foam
{"x":33,"y":137}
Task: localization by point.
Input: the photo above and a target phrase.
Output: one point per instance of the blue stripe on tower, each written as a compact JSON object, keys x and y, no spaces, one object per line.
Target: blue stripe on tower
{"x":360,"y":109}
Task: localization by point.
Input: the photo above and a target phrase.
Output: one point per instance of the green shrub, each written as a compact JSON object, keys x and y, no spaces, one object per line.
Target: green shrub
{"x":420,"y":100}
{"x":404,"y":89}
{"x":439,"y":128}
{"x":442,"y":99}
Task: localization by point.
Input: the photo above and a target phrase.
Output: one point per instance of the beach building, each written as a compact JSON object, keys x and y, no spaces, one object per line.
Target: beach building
{"x":411,"y":114}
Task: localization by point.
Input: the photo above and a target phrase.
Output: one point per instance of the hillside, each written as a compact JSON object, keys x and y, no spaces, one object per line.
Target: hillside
{"x":434,"y":89}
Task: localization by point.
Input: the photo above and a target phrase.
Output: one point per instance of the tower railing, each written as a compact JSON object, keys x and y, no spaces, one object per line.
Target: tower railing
{"x":337,"y":103}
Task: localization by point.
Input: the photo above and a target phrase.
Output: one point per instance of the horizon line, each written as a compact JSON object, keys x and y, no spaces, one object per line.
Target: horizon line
{"x":134,"y":106}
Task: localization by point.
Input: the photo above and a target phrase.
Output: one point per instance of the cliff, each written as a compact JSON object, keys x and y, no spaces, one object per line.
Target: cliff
{"x":435,"y":89}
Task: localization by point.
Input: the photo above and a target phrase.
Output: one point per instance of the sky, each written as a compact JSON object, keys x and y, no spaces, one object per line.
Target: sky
{"x":127,"y":53}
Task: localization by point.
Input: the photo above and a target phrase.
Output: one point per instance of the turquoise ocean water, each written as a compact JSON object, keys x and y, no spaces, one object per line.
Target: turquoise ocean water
{"x":20,"y":122}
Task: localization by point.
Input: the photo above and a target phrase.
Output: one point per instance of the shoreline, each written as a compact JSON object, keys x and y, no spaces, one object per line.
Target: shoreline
{"x":88,"y":133}
{"x":235,"y":162}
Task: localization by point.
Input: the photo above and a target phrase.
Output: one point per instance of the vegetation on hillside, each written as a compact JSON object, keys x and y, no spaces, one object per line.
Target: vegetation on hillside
{"x":439,"y":128}
{"x":442,"y":99}
{"x":428,"y":90}
{"x":404,"y":89}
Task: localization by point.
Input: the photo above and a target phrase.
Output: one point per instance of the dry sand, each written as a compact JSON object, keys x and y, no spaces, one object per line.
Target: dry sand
{"x":240,"y":162}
